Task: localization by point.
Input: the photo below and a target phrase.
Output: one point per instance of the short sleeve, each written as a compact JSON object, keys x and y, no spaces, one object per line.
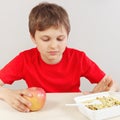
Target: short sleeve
{"x":91,"y":70}
{"x":13,"y":70}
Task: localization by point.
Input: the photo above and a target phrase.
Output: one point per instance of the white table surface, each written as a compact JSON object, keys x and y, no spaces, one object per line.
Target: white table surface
{"x":54,"y":109}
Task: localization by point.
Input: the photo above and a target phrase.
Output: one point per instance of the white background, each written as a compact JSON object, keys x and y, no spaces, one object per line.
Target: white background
{"x":95,"y":29}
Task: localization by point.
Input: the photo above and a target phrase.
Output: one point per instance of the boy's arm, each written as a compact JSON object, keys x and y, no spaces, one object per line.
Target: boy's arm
{"x":1,"y":83}
{"x":15,"y":98}
{"x":106,"y":84}
{"x":1,"y":89}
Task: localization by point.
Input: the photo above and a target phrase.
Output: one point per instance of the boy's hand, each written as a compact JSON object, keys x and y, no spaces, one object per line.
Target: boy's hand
{"x":105,"y":84}
{"x":15,"y":99}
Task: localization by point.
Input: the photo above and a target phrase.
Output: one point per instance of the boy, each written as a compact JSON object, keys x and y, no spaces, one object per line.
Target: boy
{"x":51,"y":65}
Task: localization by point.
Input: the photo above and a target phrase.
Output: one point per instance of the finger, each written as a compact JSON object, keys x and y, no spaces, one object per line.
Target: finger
{"x":24,"y":101}
{"x":101,"y":85}
{"x":96,"y":89}
{"x":25,"y":93}
{"x":110,"y":84}
{"x":20,"y":107}
{"x":109,"y":81}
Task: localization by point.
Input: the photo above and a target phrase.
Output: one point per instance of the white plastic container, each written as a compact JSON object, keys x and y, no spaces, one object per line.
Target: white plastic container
{"x":101,"y":114}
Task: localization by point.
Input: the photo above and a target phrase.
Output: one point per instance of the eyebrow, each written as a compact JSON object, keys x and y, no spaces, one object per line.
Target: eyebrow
{"x":49,"y":36}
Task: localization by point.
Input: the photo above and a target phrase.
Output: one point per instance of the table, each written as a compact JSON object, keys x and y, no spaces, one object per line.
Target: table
{"x":54,"y":109}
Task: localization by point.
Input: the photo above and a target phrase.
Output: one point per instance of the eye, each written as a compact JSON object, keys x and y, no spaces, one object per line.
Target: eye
{"x":60,"y":38}
{"x":45,"y":38}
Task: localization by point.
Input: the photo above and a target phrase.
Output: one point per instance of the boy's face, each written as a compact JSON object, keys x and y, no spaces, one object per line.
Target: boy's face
{"x":51,"y":44}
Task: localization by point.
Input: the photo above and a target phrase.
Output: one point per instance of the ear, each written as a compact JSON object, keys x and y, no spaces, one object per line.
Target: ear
{"x":33,"y":38}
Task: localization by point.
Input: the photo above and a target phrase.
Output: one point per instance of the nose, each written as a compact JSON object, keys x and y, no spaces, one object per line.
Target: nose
{"x":53,"y":44}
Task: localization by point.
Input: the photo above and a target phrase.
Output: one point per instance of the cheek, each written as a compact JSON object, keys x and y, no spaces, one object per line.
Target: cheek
{"x":63,"y":45}
{"x":40,"y":47}
{"x":62,"y":48}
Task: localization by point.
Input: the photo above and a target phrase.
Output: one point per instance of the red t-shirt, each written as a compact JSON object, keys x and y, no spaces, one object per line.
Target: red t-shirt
{"x":61,"y":77}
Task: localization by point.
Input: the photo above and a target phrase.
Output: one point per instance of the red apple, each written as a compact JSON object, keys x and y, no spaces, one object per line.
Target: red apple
{"x":38,"y":98}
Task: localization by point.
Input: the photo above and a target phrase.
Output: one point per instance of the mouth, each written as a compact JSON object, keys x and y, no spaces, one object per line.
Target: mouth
{"x":53,"y":52}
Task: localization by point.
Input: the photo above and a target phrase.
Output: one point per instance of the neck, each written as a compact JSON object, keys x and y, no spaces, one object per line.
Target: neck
{"x":52,"y":61}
